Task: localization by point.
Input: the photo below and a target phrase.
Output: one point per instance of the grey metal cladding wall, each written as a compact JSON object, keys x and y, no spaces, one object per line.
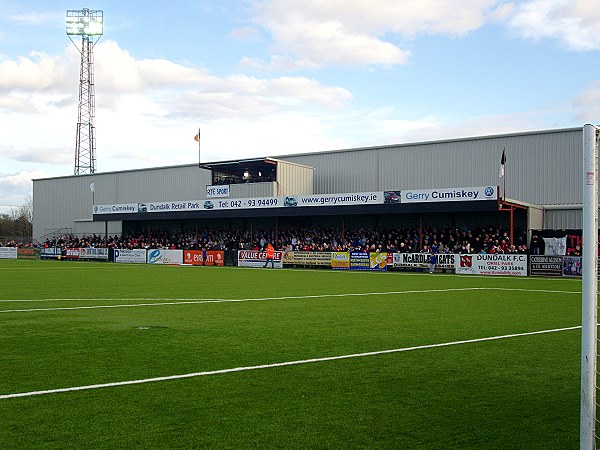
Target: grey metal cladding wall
{"x":541,"y":168}
{"x":563,"y":219}
{"x":545,"y":168}
{"x":163,"y":184}
{"x":294,"y":179}
{"x":58,"y":202}
{"x":338,"y":172}
{"x":251,"y":190}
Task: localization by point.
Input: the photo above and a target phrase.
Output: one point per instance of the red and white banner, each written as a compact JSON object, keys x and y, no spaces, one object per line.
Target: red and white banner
{"x":71,"y":253}
{"x":204,"y":258}
{"x":491,"y":264}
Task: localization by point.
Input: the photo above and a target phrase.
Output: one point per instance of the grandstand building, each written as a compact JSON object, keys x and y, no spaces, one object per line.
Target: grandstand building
{"x":443,"y":183}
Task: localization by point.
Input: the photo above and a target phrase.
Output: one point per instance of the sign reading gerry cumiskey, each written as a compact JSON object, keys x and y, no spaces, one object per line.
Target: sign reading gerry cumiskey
{"x":290,"y":201}
{"x":449,"y":194}
{"x":297,"y":201}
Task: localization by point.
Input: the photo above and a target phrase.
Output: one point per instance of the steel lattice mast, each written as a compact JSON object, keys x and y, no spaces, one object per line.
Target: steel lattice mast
{"x":87,"y":24}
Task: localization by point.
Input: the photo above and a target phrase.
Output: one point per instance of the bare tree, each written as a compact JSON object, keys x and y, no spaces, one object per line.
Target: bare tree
{"x":26,"y":209}
{"x":18,"y":223}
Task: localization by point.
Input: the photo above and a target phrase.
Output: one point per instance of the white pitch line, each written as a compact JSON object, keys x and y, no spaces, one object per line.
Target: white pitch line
{"x":222,"y":300}
{"x":551,"y":291}
{"x":544,"y":291}
{"x":274,"y":365}
{"x":173,"y":302}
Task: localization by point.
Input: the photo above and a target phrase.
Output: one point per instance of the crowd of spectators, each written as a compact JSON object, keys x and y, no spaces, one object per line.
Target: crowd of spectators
{"x":488,"y":239}
{"x":19,"y":244}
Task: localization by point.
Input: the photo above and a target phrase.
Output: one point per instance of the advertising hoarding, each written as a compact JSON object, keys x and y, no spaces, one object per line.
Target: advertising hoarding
{"x":164,"y":256}
{"x":258,"y":258}
{"x":130,"y":255}
{"x":492,"y":264}
{"x":8,"y":252}
{"x":204,"y":257}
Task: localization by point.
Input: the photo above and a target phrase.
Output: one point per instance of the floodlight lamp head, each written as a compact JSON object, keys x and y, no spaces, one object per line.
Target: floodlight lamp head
{"x":85,"y":22}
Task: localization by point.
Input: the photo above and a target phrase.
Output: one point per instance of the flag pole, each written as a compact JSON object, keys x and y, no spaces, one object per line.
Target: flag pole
{"x":199,"y":163}
{"x":503,"y":164}
{"x":93,"y":189}
{"x":503,"y":150}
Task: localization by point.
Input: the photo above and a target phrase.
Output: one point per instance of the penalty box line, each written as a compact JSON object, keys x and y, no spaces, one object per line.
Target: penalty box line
{"x":173,"y":302}
{"x":275,"y":365}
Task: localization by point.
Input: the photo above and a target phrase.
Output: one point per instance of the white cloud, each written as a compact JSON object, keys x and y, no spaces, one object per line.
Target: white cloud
{"x":312,"y":33}
{"x":20,"y":179}
{"x":250,"y":34}
{"x":276,"y":134}
{"x":144,"y":108}
{"x":38,"y":72}
{"x":16,"y":187}
{"x":407,"y":18}
{"x":38,"y":154}
{"x":180,"y":90}
{"x":447,"y":128}
{"x":587,"y":104}
{"x":574,"y":23}
{"x":502,"y":12}
{"x":17,"y":104}
{"x":332,"y":43}
{"x":36,"y":18}
{"x":354,"y":32}
{"x":278,"y":63}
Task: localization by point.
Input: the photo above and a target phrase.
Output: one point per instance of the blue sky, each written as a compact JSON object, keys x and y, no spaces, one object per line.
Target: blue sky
{"x":270,"y":77}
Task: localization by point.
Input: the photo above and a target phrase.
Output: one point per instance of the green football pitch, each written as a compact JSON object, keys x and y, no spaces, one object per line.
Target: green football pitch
{"x":102,"y":355}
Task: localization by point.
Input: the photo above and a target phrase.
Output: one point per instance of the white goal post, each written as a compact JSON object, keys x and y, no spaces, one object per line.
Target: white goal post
{"x":589,"y":316}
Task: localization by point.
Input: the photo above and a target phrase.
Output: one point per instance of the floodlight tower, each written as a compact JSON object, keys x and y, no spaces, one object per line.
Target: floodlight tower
{"x":88,"y":24}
